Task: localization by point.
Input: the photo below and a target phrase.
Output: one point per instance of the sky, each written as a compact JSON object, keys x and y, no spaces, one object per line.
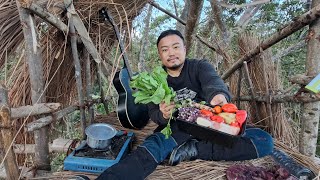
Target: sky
{"x":138,"y":24}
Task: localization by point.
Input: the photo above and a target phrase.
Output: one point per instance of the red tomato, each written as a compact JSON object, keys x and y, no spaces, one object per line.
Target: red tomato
{"x":241,"y":116}
{"x":206,"y":112}
{"x":218,"y":119}
{"x":235,"y":124}
{"x":230,"y":108}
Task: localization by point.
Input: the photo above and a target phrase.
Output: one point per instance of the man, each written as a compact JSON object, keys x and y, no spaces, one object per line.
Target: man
{"x":195,"y":79}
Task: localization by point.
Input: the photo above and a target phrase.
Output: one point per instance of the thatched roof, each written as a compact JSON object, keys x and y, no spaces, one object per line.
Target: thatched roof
{"x":57,"y":58}
{"x":58,"y":65}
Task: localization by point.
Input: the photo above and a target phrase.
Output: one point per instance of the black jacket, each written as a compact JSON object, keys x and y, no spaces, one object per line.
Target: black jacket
{"x":198,"y":81}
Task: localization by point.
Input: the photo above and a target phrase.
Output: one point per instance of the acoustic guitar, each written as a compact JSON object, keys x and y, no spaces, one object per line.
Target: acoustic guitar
{"x":130,"y":115}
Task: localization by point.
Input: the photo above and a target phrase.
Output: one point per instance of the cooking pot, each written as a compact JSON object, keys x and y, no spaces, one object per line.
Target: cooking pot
{"x":99,"y":135}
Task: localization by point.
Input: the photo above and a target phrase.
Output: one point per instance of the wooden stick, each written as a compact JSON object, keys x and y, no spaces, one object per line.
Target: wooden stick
{"x":294,"y":26}
{"x":77,"y":67}
{"x":45,"y":15}
{"x":58,"y":145}
{"x":89,"y":89}
{"x":239,"y":88}
{"x":6,"y":137}
{"x":281,"y":98}
{"x":38,"y":124}
{"x":301,"y":79}
{"x":32,"y":110}
{"x":268,"y":103}
{"x":103,"y":99}
{"x":83,"y":33}
{"x":253,"y":94}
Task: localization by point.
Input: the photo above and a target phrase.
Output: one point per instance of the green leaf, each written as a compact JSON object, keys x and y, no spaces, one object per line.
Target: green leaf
{"x":153,"y":87}
{"x":167,"y":131}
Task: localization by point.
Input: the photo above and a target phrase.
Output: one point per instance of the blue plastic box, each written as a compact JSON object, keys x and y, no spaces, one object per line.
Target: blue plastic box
{"x":95,"y":165}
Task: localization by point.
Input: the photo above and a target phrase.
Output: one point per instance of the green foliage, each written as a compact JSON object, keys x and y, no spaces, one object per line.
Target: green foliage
{"x":152,"y":87}
{"x":159,"y":21}
{"x":57,"y":161}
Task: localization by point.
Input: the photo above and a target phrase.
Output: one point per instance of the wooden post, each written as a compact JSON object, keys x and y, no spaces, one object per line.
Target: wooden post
{"x":104,"y":100}
{"x":268,"y":104}
{"x":239,"y":88}
{"x":44,"y":121}
{"x":89,"y":89}
{"x":253,"y":94}
{"x":6,"y":138}
{"x":77,"y":67}
{"x":34,"y":62}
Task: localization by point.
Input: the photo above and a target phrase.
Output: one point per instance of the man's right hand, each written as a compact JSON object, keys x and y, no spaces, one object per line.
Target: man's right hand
{"x":166,"y":109}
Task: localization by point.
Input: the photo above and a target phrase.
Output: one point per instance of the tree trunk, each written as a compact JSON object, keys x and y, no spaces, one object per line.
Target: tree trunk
{"x":77,"y":67}
{"x":217,"y":15}
{"x":144,"y":40}
{"x":311,"y":114}
{"x":193,"y":17}
{"x":206,"y":33}
{"x":184,"y":14}
{"x":34,"y":62}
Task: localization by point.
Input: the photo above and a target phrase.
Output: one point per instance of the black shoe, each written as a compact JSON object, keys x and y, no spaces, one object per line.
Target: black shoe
{"x":79,"y":177}
{"x":186,"y":151}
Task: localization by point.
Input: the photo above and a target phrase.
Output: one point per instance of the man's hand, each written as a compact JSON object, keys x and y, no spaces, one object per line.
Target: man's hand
{"x":166,"y":109}
{"x":218,"y":99}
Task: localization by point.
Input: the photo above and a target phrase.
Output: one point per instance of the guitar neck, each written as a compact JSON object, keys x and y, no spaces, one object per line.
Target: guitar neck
{"x":107,"y":17}
{"x":123,"y":53}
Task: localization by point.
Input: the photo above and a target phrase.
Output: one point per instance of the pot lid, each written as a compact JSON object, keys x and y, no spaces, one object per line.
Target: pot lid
{"x":100,"y":131}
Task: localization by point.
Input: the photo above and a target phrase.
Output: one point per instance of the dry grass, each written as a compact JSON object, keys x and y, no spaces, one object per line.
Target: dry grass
{"x":266,"y":80}
{"x":193,"y":170}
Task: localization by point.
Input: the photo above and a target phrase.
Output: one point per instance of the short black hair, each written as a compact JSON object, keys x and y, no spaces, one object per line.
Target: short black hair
{"x":169,"y":32}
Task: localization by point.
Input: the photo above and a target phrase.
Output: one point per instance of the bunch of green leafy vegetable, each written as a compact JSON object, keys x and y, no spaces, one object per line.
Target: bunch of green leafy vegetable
{"x":153,"y":87}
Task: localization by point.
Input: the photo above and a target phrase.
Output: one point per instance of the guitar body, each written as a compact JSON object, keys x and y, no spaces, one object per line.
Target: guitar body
{"x":130,"y":115}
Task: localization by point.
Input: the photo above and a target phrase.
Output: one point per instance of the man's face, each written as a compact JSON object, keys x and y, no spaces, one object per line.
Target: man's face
{"x":172,"y":51}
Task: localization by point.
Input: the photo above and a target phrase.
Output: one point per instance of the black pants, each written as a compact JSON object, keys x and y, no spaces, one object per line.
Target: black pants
{"x":140,"y":163}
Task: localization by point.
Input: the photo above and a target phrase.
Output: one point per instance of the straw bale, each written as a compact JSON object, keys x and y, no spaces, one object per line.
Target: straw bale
{"x":266,"y":79}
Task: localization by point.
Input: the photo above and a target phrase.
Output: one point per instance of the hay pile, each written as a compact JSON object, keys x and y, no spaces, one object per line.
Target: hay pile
{"x":266,"y":81}
{"x":195,"y":170}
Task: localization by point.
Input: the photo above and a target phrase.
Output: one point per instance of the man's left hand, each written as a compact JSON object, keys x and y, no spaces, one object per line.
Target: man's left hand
{"x":218,"y":99}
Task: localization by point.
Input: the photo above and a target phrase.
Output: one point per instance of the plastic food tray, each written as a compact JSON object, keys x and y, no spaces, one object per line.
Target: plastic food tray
{"x":210,"y":134}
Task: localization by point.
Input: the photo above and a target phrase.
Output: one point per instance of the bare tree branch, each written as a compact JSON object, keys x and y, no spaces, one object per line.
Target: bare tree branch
{"x":292,"y":27}
{"x":175,"y":7}
{"x":45,"y":15}
{"x":237,"y":6}
{"x":293,"y":48}
{"x":213,"y":47}
{"x":246,"y":16}
{"x":280,"y":98}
